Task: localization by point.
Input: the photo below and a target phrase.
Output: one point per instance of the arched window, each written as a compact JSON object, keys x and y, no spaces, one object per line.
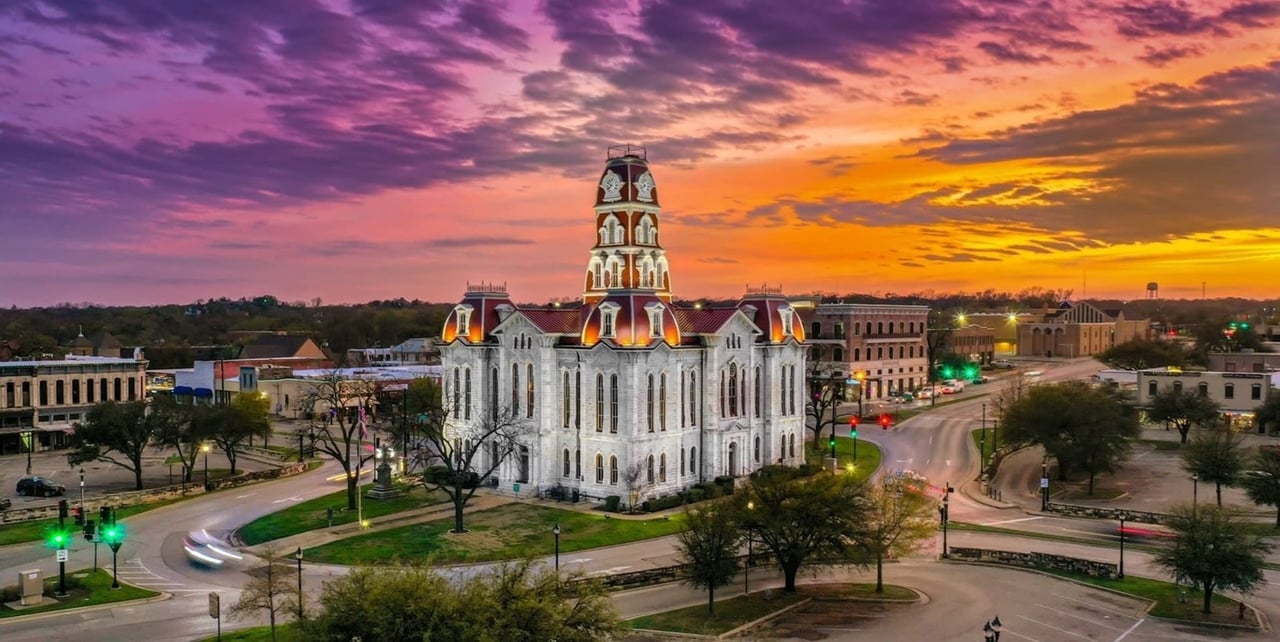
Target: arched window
{"x":733,"y":390}
{"x":857,"y":354}
{"x":782,"y":450}
{"x":682,"y":468}
{"x":1203,"y":389}
{"x":837,"y":354}
{"x":613,"y":403}
{"x":901,"y":351}
{"x":613,"y":469}
{"x":757,"y":451}
{"x":88,"y":391}
{"x":722,"y":415}
{"x":59,"y":393}
{"x":880,"y":327}
{"x":577,"y":464}
{"x":759,"y":394}
{"x":599,"y":469}
{"x":793,"y":445}
{"x":650,"y":468}
{"x":515,"y":389}
{"x":693,"y":460}
{"x":880,"y":352}
{"x":566,"y":462}
{"x":662,"y":402}
{"x":693,"y":399}
{"x":564,"y":395}
{"x":528,"y":386}
{"x":793,"y":390}
{"x":662,"y":467}
{"x":599,"y":403}
{"x":649,"y":406}
{"x":1177,"y":387}
{"x":119,"y":393}
{"x":457,"y":391}
{"x":684,"y":379}
{"x":783,"y":398}
{"x":75,"y":391}
{"x":868,"y":328}
{"x":466,"y":384}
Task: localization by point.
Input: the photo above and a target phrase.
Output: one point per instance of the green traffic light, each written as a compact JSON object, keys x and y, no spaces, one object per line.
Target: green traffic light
{"x":1244,"y":326}
{"x":853,"y":433}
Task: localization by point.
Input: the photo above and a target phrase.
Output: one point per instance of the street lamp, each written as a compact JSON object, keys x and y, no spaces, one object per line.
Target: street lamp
{"x":298,"y":556}
{"x":746,"y":568}
{"x":1122,"y":517}
{"x":82,"y":491}
{"x":205,"y":448}
{"x":944,"y":513}
{"x":1044,"y":486}
{"x":31,"y":444}
{"x":556,"y":531}
{"x":1195,"y":488}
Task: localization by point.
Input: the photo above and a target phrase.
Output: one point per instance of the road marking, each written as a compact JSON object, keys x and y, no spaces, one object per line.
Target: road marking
{"x":578,"y":560}
{"x":1131,"y":629}
{"x":245,"y":495}
{"x":609,"y":571}
{"x":295,"y":498}
{"x":1050,"y":626}
{"x":1095,"y":606}
{"x":1078,"y":617}
{"x":1013,"y":521}
{"x":1025,"y":637}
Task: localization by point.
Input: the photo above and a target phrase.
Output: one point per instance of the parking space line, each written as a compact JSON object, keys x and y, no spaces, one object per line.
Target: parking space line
{"x":1095,"y":606}
{"x":1078,"y":617}
{"x":1006,"y":631}
{"x":1050,"y":626}
{"x":1131,"y":629}
{"x":1012,"y":521}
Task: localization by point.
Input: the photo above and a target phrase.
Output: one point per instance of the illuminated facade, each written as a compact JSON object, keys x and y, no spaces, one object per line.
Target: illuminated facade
{"x":628,"y":376}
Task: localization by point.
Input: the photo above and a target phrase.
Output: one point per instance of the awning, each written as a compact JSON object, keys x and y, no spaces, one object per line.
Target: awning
{"x":203,"y":392}
{"x":182,"y":390}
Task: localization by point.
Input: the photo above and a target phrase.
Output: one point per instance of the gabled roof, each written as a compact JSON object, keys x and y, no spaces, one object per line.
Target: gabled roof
{"x":274,"y":346}
{"x":555,"y":320}
{"x":705,"y":320}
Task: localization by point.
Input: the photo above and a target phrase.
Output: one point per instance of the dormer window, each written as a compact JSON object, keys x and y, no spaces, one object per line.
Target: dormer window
{"x":463,"y":314}
{"x":655,"y":318}
{"x":786,"y":313}
{"x":608,"y":319}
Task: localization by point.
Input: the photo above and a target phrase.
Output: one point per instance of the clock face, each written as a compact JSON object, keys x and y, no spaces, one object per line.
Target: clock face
{"x":612,"y":186}
{"x":644,"y":187}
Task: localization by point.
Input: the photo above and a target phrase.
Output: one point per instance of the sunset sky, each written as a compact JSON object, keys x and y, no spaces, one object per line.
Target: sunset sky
{"x":169,"y":150}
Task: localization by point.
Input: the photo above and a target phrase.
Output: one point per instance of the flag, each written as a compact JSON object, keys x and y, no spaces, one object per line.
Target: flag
{"x":363,"y":422}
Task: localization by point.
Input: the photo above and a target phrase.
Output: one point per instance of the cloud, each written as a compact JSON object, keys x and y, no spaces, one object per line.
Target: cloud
{"x":464,"y":242}
{"x":1161,"y":56}
{"x":1011,"y":53}
{"x":1178,"y":18}
{"x":915,"y":99}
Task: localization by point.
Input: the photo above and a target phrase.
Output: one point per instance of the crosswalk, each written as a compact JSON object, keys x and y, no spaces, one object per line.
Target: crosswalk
{"x":136,"y":573}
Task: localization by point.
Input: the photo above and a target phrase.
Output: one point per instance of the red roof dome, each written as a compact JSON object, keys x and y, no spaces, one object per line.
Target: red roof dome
{"x":627,"y":319}
{"x":626,"y":178}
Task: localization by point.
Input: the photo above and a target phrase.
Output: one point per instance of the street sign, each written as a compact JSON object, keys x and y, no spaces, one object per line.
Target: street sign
{"x":1044,"y":482}
{"x":515,"y":488}
{"x":214,"y":606}
{"x":62,"y":555}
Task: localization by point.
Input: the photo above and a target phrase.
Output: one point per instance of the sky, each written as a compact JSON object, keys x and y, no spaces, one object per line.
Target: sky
{"x":158,"y":151}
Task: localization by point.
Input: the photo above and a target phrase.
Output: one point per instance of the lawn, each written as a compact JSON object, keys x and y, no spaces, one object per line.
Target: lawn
{"x":36,"y":530}
{"x":506,"y":532}
{"x":1167,"y":596}
{"x":984,"y":447}
{"x":313,"y":514}
{"x":737,"y":611}
{"x":84,"y":588}
{"x":868,"y":454}
{"x":285,"y":632}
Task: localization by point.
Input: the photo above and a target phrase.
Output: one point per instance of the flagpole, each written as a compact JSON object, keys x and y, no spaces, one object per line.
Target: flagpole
{"x":359,"y":464}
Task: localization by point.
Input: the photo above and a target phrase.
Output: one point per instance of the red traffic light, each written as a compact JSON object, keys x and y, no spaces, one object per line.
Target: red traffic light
{"x":885,"y":420}
{"x":853,"y":421}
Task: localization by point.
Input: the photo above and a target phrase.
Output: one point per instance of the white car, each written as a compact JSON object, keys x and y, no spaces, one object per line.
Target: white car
{"x":207,"y":550}
{"x":1002,"y":363}
{"x":956,"y":384}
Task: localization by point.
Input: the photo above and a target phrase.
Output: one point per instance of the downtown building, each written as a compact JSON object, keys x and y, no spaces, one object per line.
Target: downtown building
{"x":627,"y":376}
{"x":41,"y":401}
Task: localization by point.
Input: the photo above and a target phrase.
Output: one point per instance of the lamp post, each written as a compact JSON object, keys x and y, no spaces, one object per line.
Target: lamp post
{"x":299,"y":446}
{"x":746,"y":568}
{"x":1122,"y":517}
{"x":205,"y":448}
{"x":82,"y":492}
{"x":944,"y":513}
{"x":298,"y":556}
{"x":31,"y":444}
{"x":1044,"y":486}
{"x":1195,"y":488}
{"x":556,"y":531}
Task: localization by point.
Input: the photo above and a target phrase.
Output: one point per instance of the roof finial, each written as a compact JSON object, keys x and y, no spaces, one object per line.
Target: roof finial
{"x":82,"y":330}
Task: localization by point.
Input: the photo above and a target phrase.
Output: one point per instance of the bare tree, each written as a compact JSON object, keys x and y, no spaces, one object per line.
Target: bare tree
{"x":631,"y":481}
{"x":463,"y":453}
{"x":898,"y":517}
{"x":937,"y":342}
{"x":269,"y":590}
{"x":826,"y":383}
{"x":341,"y":408}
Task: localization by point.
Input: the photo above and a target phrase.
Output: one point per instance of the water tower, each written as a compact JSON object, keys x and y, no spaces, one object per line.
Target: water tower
{"x":1153,"y":290}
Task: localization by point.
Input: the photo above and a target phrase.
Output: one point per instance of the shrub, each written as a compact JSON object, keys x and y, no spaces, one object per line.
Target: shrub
{"x":662,"y":503}
{"x":611,"y":503}
{"x":695,"y":494}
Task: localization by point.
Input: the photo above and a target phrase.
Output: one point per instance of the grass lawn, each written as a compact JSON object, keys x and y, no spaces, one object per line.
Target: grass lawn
{"x":729,"y":614}
{"x":868,"y":454}
{"x":84,"y":588}
{"x":735,"y":612}
{"x":1166,"y":597}
{"x":285,"y":632}
{"x":35,"y":530}
{"x":505,"y":532}
{"x":979,"y":444}
{"x":310,"y":515}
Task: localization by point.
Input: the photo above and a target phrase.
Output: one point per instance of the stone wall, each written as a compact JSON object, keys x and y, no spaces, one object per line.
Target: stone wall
{"x":1045,"y":561}
{"x":256,"y":476}
{"x":1102,"y":512}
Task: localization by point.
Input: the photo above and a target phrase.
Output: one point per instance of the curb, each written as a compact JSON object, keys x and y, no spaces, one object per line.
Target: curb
{"x":86,"y":609}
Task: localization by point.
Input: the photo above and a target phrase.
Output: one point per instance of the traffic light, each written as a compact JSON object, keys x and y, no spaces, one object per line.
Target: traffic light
{"x":946,"y":372}
{"x":89,"y":529}
{"x":104,"y":515}
{"x":78,"y":511}
{"x":970,"y":371}
{"x":853,"y":426}
{"x":831,"y":443}
{"x":885,"y":420}
{"x":58,"y":539}
{"x":62,"y":509}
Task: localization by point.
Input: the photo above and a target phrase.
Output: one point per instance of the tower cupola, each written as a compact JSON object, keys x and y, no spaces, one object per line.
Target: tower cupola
{"x":627,"y":254}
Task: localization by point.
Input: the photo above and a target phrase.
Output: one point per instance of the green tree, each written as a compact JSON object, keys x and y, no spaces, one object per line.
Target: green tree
{"x":1140,"y":354}
{"x":1215,"y":456}
{"x":708,"y":543}
{"x":1268,"y":414}
{"x":898,"y":517}
{"x":180,"y":427}
{"x":801,"y":519}
{"x":1262,"y":482}
{"x":517,"y":601}
{"x":1082,"y":427}
{"x":1213,"y":550}
{"x":1183,"y":409}
{"x":116,"y":433}
{"x":245,"y":417}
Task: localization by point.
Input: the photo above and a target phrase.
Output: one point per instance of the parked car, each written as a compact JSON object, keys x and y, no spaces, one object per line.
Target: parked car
{"x":924,"y":393}
{"x":948,"y":389}
{"x":1002,"y":363}
{"x":36,"y":486}
{"x":957,"y":384}
{"x":981,"y":379}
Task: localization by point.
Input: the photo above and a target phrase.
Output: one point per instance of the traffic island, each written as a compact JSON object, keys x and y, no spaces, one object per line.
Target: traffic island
{"x":84,"y":588}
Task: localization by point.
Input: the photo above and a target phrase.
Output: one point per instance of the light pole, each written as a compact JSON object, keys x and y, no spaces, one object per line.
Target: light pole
{"x":556,"y":531}
{"x":1044,"y":486}
{"x":298,"y":556}
{"x":944,"y":512}
{"x":1122,"y":517}
{"x":746,"y":568}
{"x":82,"y":492}
{"x":205,"y":448}
{"x":1195,"y":488}
{"x":31,"y":444}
